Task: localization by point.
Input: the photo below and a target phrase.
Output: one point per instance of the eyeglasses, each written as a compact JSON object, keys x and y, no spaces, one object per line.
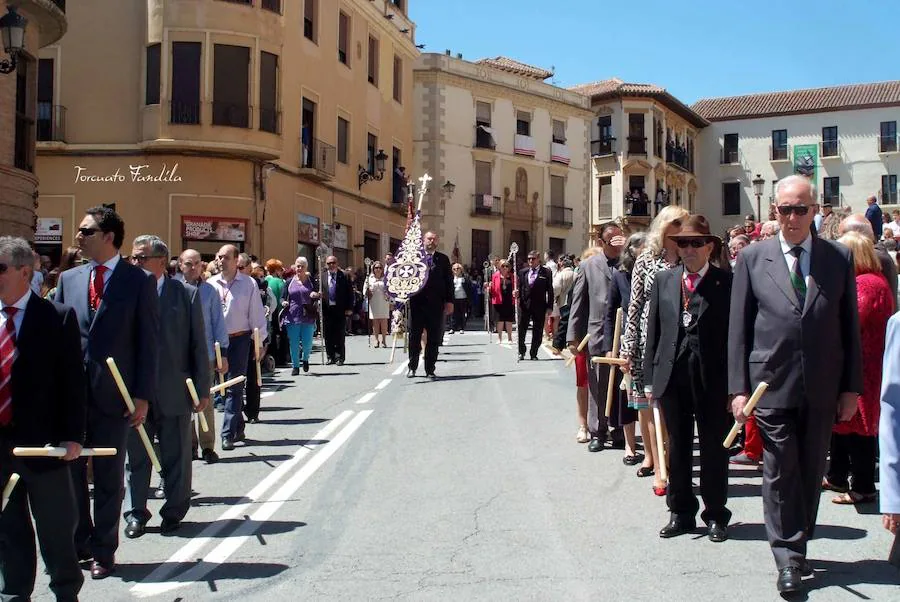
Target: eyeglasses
{"x":785,"y":210}
{"x":242,"y":267}
{"x":143,"y":258}
{"x":330,"y":263}
{"x":88,"y":231}
{"x":696,"y":243}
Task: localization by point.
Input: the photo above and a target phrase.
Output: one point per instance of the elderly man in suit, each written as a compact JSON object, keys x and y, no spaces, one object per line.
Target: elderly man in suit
{"x":534,"y":291}
{"x":794,"y":325}
{"x":587,"y":313}
{"x":37,"y":338}
{"x":118,"y":315}
{"x":428,"y":307}
{"x":685,"y":368}
{"x":337,"y":306}
{"x":182,"y":354}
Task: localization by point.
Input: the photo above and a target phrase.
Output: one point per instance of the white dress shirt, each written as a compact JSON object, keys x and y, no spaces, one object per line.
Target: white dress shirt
{"x":110,"y":267}
{"x":21,"y":304}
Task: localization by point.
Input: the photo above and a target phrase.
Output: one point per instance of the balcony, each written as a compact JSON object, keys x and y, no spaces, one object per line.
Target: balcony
{"x":484,"y":137}
{"x":184,"y":113}
{"x":231,"y":114}
{"x":836,"y":200}
{"x":318,"y":160}
{"x":637,"y":206}
{"x":51,"y":122}
{"x":637,"y":146}
{"x":559,"y":152}
{"x":524,"y":145}
{"x":678,"y":156}
{"x":829,"y":149}
{"x":887,"y":144}
{"x":887,"y":197}
{"x":779,"y":153}
{"x":486,"y":205}
{"x":603,"y":147}
{"x":557,"y":215}
{"x":729,"y":156}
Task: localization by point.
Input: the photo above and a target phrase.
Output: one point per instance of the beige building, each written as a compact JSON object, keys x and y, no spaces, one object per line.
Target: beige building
{"x":255,"y":122}
{"x":643,"y":152}
{"x":45,"y":23}
{"x":515,"y":149}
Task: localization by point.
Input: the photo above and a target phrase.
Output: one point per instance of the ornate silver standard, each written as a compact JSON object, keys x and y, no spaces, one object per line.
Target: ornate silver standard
{"x":408,"y":274}
{"x":488,"y":276}
{"x":322,"y":252}
{"x":368,"y":263}
{"x":513,"y":251}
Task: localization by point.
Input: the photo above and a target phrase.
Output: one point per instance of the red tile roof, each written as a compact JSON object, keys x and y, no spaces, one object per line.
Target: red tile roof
{"x":813,"y":100}
{"x":506,"y":64}
{"x":616,"y":88}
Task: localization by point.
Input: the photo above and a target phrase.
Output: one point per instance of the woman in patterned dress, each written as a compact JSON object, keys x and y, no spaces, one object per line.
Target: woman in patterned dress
{"x":661,"y":254}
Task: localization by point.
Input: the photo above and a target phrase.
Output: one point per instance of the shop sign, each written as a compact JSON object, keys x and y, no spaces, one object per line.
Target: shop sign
{"x":49,"y":230}
{"x":213,"y":228}
{"x":340,"y":240}
{"x":307,"y":229}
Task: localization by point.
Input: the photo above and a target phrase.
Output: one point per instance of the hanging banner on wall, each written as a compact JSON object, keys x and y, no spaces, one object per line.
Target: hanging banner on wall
{"x":49,"y":230}
{"x":213,"y":228}
{"x":806,"y":161}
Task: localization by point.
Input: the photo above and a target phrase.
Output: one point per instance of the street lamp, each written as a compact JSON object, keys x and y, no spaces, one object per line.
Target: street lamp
{"x":365,"y":175}
{"x":758,"y":184}
{"x":12,"y":32}
{"x":448,"y":188}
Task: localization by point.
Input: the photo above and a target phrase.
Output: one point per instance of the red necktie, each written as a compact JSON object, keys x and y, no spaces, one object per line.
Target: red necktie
{"x":95,"y":292}
{"x":7,"y":357}
{"x":692,"y":281}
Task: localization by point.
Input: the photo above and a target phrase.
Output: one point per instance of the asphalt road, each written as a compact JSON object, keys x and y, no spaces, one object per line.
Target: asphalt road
{"x":362,"y":484}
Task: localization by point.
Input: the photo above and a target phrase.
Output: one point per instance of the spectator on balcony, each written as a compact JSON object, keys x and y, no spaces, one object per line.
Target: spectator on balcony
{"x":874,"y":215}
{"x":400,"y":185}
{"x":661,"y":200}
{"x":306,"y":140}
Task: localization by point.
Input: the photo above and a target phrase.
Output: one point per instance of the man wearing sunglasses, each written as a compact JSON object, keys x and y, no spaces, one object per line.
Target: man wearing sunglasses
{"x":118,"y":314}
{"x":794,"y":325}
{"x":337,"y":306}
{"x":685,"y":368}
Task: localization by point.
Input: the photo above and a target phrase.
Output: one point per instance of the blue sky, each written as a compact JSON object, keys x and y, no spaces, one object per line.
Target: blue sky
{"x":694,"y":48}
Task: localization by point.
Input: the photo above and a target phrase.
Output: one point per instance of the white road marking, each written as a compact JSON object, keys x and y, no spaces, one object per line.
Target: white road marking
{"x":399,"y":369}
{"x":231,"y":544}
{"x":266,"y":394}
{"x":189,"y":551}
{"x":367,"y":397}
{"x":382,"y":384}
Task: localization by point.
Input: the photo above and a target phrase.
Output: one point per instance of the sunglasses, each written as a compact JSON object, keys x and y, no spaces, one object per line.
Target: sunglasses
{"x":143,"y":258}
{"x":786,"y":210}
{"x":330,"y":263}
{"x":696,"y":243}
{"x":88,"y":231}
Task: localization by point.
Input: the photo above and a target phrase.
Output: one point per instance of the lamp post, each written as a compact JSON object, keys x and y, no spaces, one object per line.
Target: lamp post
{"x":758,"y":184}
{"x":12,"y":32}
{"x":378,"y":175}
{"x":448,"y":188}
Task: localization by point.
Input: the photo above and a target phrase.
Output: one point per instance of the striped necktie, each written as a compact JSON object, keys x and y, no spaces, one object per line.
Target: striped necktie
{"x":797,"y":279}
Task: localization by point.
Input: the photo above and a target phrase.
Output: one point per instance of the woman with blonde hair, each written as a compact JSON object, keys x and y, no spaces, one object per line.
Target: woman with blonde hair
{"x":661,"y":253}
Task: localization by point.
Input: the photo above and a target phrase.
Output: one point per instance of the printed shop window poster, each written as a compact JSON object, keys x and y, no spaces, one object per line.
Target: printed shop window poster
{"x":806,"y":160}
{"x":213,"y":228}
{"x":49,"y":230}
{"x":307,"y":229}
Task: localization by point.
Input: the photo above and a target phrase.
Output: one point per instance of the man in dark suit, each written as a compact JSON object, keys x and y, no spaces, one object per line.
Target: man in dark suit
{"x":182,"y":355}
{"x":535,"y":294}
{"x":428,"y":307}
{"x":118,"y":314}
{"x":794,"y":325}
{"x":685,"y":368}
{"x":337,"y":306}
{"x":41,"y":402}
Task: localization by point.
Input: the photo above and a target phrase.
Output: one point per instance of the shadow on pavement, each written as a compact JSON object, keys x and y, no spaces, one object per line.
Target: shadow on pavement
{"x":252,"y":458}
{"x":295,"y":421}
{"x":317,"y":374}
{"x":757,"y":532}
{"x":464,"y":376}
{"x":217,"y":500}
{"x":278,"y":409}
{"x":133,"y":573}
{"x":190,"y":530}
{"x":831,"y":573}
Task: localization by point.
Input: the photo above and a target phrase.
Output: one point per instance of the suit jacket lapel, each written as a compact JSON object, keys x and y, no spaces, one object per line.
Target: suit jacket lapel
{"x":816,"y":275}
{"x":30,"y":321}
{"x":709,"y":287}
{"x":673,"y":294}
{"x":778,"y":272}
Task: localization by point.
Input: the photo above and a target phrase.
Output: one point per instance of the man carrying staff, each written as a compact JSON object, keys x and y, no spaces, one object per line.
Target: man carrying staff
{"x":214,"y":326}
{"x":37,"y":338}
{"x":182,"y":351}
{"x":118,"y":314}
{"x":685,"y":367}
{"x":243,"y":311}
{"x":794,"y":325}
{"x":428,"y":307}
{"x":587,"y":313}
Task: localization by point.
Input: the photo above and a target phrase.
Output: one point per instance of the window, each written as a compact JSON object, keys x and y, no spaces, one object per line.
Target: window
{"x":344,"y":38}
{"x":637,"y":142}
{"x":268,"y":93}
{"x":272,"y":5}
{"x":658,"y":137}
{"x":47,"y":114}
{"x":557,"y":191}
{"x":483,"y":113}
{"x":603,"y":145}
{"x":887,"y":142}
{"x":779,"y":145}
{"x":523,"y":123}
{"x":151,"y":94}
{"x":483,"y":137}
{"x":730,"y":150}
{"x":343,"y":140}
{"x":398,"y":79}
{"x":482,"y":177}
{"x":481,"y":246}
{"x":731,"y":198}
{"x":231,"y":86}
{"x":831,"y":191}
{"x":396,"y":157}
{"x":371,"y":151}
{"x":308,"y":134}
{"x":889,"y":189}
{"x":373,"y":61}
{"x":830,"y":141}
{"x":185,"y":82}
{"x":24,"y":138}
{"x":310,"y":12}
{"x":557,"y":245}
{"x":559,"y":131}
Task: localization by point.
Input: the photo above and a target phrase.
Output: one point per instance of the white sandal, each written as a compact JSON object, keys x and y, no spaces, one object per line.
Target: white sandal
{"x":583,"y":435}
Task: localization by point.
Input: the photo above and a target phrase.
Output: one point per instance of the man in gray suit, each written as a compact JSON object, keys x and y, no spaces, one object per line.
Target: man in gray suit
{"x":794,"y":325}
{"x":586,"y":315}
{"x":118,"y":315}
{"x":182,"y":354}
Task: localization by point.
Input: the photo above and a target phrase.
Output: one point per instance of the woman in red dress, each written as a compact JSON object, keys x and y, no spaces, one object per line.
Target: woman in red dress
{"x":853,"y":444}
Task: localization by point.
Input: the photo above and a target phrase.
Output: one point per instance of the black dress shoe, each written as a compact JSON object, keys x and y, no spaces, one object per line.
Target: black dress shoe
{"x":210,"y":456}
{"x":676,"y":527}
{"x":717,"y":531}
{"x":227,"y":444}
{"x":431,"y":375}
{"x":295,"y":371}
{"x":134,"y":528}
{"x":789,"y":580}
{"x":595,"y":445}
{"x":534,"y":357}
{"x":410,"y":372}
{"x":305,"y":366}
{"x":169,"y":526}
{"x":521,"y":356}
{"x":253,"y":420}
{"x":84,"y":555}
{"x":159,"y":493}
{"x":102,"y":570}
{"x":195,"y":455}
{"x":805,"y":568}
{"x":329,"y":362}
{"x":241,"y":437}
{"x":340,"y":362}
